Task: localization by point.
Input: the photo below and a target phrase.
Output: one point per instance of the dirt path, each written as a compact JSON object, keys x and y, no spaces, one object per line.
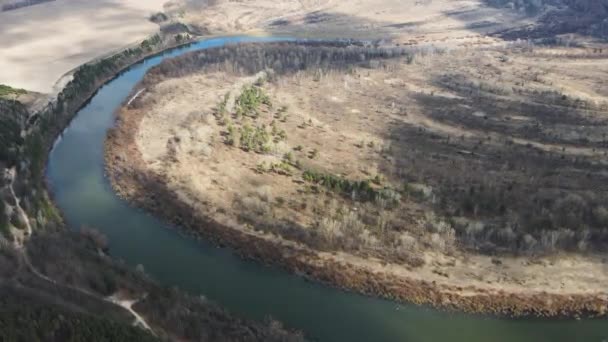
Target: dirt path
{"x":114,"y":299}
{"x":128,"y":305}
{"x":20,"y":238}
{"x":19,"y":235}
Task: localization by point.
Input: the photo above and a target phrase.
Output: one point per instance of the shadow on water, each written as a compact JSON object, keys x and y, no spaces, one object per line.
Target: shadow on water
{"x":76,"y":176}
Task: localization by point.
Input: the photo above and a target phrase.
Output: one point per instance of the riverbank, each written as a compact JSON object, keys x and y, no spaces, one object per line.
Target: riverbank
{"x":133,"y":180}
{"x":58,"y":269}
{"x":45,"y":124}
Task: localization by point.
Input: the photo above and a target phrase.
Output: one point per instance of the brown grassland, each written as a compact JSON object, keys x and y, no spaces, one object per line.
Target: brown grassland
{"x":468,"y":178}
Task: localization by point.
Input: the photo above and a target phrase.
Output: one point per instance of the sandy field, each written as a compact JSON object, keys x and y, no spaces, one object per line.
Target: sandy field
{"x":406,"y":22}
{"x":39,"y":48}
{"x":41,"y":43}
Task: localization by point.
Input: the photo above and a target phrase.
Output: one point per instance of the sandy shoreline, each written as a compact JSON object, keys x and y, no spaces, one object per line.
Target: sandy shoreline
{"x":132,"y":181}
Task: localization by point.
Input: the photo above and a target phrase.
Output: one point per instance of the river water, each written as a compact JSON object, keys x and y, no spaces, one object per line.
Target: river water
{"x":76,"y":177}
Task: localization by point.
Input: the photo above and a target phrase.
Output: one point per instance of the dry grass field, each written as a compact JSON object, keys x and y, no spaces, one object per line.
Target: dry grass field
{"x":410,"y":21}
{"x":41,"y":43}
{"x":473,"y":168}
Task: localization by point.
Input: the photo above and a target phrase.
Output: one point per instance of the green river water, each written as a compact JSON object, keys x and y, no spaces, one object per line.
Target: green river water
{"x":81,"y":190}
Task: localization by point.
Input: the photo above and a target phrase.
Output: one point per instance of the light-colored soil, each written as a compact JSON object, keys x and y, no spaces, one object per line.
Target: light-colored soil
{"x":42,"y":43}
{"x":411,"y":21}
{"x":346,"y":117}
{"x":127,"y":304}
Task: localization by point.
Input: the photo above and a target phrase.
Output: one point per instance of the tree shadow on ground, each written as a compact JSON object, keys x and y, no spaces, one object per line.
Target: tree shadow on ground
{"x":502,"y":196}
{"x":556,"y":17}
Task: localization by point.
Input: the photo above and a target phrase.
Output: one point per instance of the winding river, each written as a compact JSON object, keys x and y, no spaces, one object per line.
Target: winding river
{"x":76,"y":176}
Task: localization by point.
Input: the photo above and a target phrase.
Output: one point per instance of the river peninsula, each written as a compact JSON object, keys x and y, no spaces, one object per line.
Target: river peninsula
{"x":371,"y":169}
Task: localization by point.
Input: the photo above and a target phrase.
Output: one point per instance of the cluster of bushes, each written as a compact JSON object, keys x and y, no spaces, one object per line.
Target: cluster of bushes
{"x":86,"y":79}
{"x":250,"y":99}
{"x":281,"y":168}
{"x":150,"y":43}
{"x":356,"y":190}
{"x":368,"y":230}
{"x":250,"y":138}
{"x":6,"y":91}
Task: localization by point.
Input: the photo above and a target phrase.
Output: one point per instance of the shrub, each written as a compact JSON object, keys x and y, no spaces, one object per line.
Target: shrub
{"x":261,"y":167}
{"x":231,"y":137}
{"x":250,"y":99}
{"x":313,"y":154}
{"x":6,"y":90}
{"x":158,"y":17}
{"x":288,"y":158}
{"x":357,"y":190}
{"x":254,"y":139}
{"x":281,"y":168}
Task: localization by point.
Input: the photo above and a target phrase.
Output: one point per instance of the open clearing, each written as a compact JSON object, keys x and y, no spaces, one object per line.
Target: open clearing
{"x":41,"y":43}
{"x":38,"y":48}
{"x":407,"y":22}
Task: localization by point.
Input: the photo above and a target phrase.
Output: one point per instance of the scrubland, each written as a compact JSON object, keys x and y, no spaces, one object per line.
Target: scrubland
{"x":479,"y":170}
